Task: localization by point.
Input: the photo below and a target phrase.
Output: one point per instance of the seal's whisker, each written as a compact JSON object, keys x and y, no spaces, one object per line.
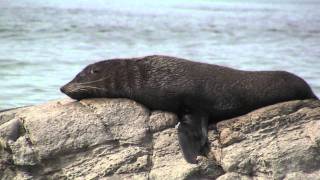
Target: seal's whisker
{"x":92,"y":87}
{"x":85,"y":89}
{"x":80,"y":89}
{"x":101,"y":79}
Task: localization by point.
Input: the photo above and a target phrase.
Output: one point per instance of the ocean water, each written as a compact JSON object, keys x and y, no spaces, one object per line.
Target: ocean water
{"x":44,"y":44}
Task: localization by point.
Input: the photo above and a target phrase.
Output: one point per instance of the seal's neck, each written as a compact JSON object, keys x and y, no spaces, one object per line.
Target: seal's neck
{"x":120,"y":85}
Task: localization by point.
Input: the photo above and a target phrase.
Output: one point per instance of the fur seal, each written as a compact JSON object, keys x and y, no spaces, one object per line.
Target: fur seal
{"x":199,"y":93}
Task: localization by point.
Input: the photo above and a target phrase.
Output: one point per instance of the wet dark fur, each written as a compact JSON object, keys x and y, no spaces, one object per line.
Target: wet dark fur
{"x":196,"y":92}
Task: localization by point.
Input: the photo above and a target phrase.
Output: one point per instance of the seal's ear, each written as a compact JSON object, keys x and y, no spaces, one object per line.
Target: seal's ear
{"x":192,"y":134}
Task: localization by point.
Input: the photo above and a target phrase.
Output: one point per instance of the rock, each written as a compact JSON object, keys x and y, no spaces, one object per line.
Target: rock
{"x":232,"y":175}
{"x":301,"y":175}
{"x":121,"y":139}
{"x":273,"y":141}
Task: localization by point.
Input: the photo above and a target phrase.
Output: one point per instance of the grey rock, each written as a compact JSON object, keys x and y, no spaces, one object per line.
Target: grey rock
{"x":121,"y":139}
{"x":273,"y":141}
{"x":161,"y":120}
{"x":233,"y":176}
{"x":303,"y":176}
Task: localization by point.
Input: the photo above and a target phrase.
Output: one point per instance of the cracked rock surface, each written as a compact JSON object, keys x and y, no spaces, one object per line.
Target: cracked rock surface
{"x":121,"y":139}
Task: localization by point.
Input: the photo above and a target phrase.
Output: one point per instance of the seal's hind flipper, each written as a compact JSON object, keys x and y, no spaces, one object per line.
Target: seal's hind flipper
{"x":192,"y":134}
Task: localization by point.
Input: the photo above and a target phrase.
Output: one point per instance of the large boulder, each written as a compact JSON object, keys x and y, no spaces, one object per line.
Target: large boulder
{"x":121,"y":139}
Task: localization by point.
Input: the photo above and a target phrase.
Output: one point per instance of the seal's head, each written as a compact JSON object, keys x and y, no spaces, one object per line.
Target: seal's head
{"x":93,"y":81}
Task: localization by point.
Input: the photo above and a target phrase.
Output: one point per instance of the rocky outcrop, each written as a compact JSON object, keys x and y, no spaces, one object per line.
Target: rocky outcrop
{"x":121,"y":139}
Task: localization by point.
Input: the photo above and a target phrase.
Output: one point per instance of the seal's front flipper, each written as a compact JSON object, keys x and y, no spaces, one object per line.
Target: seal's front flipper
{"x":192,"y":134}
{"x":189,"y":144}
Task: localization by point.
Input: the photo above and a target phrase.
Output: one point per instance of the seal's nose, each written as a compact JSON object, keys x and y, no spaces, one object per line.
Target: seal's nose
{"x":63,"y":89}
{"x":72,"y":90}
{"x":69,"y":88}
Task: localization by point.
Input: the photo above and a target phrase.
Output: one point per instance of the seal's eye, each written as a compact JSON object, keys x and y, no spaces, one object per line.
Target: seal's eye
{"x":93,"y":71}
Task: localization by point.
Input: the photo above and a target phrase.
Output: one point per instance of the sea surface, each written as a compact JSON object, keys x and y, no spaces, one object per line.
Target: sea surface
{"x":44,"y":44}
